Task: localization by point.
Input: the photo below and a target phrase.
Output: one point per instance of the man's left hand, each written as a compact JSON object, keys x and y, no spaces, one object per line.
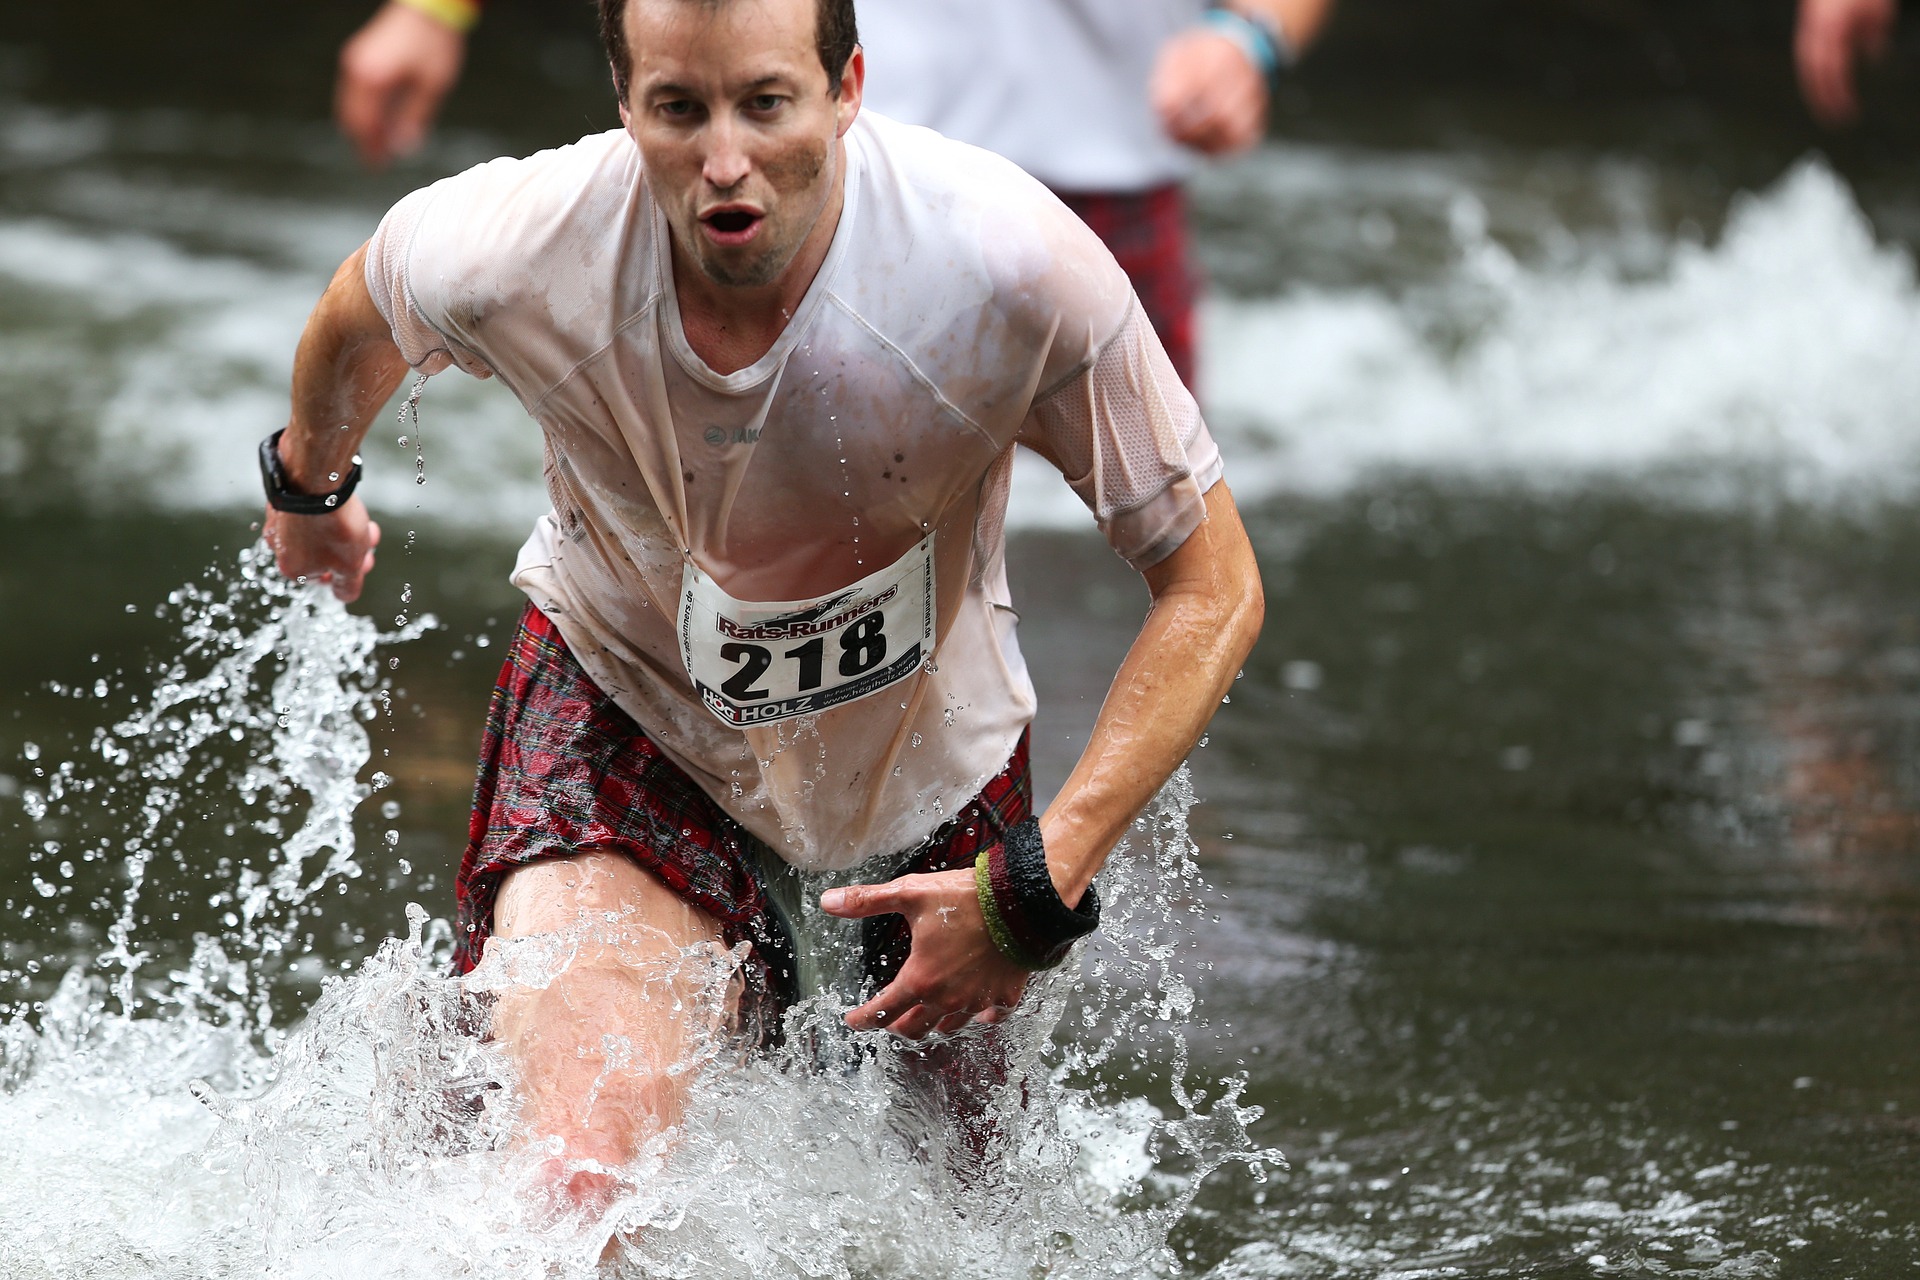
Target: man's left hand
{"x":953,"y":974}
{"x":1208,"y":94}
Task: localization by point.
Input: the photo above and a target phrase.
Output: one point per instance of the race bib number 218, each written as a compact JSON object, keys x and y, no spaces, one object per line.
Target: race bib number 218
{"x":755,"y":662}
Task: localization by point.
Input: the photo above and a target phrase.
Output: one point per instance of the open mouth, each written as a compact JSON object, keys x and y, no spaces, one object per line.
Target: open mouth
{"x":731,"y":222}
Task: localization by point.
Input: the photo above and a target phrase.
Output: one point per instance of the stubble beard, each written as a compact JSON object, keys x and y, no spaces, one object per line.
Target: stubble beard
{"x":751,"y":273}
{"x":767,"y":266}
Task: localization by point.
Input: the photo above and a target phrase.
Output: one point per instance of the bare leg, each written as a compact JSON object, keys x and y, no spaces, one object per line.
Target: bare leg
{"x":606,"y":1001}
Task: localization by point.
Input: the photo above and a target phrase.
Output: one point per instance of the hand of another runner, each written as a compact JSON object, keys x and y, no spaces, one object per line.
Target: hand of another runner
{"x":953,"y":974}
{"x":336,"y":548}
{"x":1208,"y":94}
{"x":394,"y":73}
{"x":1828,"y":41}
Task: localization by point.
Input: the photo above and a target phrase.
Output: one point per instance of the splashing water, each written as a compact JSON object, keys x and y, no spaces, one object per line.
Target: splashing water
{"x":182,"y":1116}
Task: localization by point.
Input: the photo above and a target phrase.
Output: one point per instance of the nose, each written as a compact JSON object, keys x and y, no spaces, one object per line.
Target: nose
{"x":726,"y":163}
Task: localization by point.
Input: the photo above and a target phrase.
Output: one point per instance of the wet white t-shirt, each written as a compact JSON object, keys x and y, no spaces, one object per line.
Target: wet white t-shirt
{"x":1059,"y":87}
{"x":792,"y":576}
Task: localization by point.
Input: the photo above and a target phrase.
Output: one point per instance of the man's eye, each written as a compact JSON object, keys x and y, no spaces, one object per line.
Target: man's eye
{"x":765,"y":101}
{"x":678,"y":109}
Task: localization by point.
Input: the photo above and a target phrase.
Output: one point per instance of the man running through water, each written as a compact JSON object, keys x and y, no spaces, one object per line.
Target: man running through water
{"x":780,"y":353}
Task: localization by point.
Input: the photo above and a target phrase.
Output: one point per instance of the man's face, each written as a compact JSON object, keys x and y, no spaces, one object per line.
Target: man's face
{"x":728,"y":103}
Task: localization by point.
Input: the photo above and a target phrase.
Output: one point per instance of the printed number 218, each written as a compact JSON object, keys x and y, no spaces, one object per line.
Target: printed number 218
{"x":863,"y":646}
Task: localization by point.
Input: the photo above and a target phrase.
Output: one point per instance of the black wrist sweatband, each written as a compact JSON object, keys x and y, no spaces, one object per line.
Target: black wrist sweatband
{"x":1025,"y":917}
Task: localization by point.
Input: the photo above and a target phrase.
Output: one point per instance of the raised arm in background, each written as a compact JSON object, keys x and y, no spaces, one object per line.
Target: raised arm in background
{"x":1208,"y":90}
{"x":396,"y":71}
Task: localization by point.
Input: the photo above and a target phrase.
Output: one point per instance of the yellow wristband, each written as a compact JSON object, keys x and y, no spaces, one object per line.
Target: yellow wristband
{"x":458,"y":14}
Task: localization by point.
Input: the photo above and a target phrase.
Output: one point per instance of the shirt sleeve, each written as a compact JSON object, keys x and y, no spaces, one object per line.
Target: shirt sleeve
{"x":425,"y":344}
{"x":1128,"y":437}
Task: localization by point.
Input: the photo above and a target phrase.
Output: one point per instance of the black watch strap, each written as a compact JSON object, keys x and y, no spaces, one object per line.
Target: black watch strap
{"x":282,"y":498}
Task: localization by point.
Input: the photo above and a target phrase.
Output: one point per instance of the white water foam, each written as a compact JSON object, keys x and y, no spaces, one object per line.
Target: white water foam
{"x":193,"y":1122}
{"x":1790,"y":344}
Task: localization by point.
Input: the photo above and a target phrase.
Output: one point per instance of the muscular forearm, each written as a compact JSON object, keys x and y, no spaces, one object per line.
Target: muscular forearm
{"x":1300,"y":20}
{"x":344,"y":371}
{"x":1207,"y":610}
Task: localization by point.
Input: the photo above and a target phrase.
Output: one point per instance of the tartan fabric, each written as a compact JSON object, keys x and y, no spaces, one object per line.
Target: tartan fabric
{"x":1147,"y":233}
{"x":1004,"y":803}
{"x":564,"y":769}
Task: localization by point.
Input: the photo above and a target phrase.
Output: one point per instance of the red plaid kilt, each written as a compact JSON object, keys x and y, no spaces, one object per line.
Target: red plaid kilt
{"x":1147,"y":233}
{"x":563,"y":770}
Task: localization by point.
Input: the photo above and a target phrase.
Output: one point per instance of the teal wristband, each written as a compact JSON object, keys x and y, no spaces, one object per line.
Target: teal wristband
{"x":1261,"y":40}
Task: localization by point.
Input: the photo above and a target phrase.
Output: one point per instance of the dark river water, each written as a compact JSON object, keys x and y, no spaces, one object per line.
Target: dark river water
{"x":1559,"y":849}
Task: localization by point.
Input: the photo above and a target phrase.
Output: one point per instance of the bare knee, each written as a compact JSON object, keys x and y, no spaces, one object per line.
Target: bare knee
{"x":608,"y":987}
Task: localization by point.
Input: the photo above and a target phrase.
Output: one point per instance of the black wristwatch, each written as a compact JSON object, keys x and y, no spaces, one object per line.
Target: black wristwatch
{"x":282,"y":498}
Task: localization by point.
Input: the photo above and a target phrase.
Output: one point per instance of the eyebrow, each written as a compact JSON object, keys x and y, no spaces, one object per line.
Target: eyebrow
{"x":671,"y":89}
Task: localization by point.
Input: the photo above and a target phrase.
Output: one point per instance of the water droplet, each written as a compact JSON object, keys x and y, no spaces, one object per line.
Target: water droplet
{"x":390,"y":810}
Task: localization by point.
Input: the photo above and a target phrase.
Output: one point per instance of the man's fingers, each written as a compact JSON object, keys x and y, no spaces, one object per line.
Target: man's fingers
{"x":346,"y":586}
{"x":414,"y":111}
{"x":954,"y":1021}
{"x":1820,"y":56}
{"x":1833,"y":98}
{"x":915,"y":1023}
{"x":362,"y":104}
{"x":1831,"y":39}
{"x":884,"y":1011}
{"x":1222,"y":119}
{"x":857,"y":902}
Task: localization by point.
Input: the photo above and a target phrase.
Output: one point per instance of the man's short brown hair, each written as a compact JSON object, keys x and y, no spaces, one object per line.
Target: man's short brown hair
{"x":834,"y":36}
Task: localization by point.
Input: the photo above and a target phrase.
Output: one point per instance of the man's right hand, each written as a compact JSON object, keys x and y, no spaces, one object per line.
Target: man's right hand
{"x":394,"y":74}
{"x":335,"y":548}
{"x":1828,"y":42}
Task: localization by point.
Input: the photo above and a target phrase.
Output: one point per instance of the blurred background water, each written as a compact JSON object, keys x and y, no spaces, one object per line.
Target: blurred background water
{"x":1561,"y":833}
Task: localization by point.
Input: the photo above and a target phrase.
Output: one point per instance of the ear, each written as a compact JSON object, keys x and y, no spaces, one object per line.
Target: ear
{"x":853,"y":84}
{"x":626,"y":114}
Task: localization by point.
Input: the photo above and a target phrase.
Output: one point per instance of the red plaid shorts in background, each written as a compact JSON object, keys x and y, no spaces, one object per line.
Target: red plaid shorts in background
{"x":563,"y":770}
{"x":1147,"y":233}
